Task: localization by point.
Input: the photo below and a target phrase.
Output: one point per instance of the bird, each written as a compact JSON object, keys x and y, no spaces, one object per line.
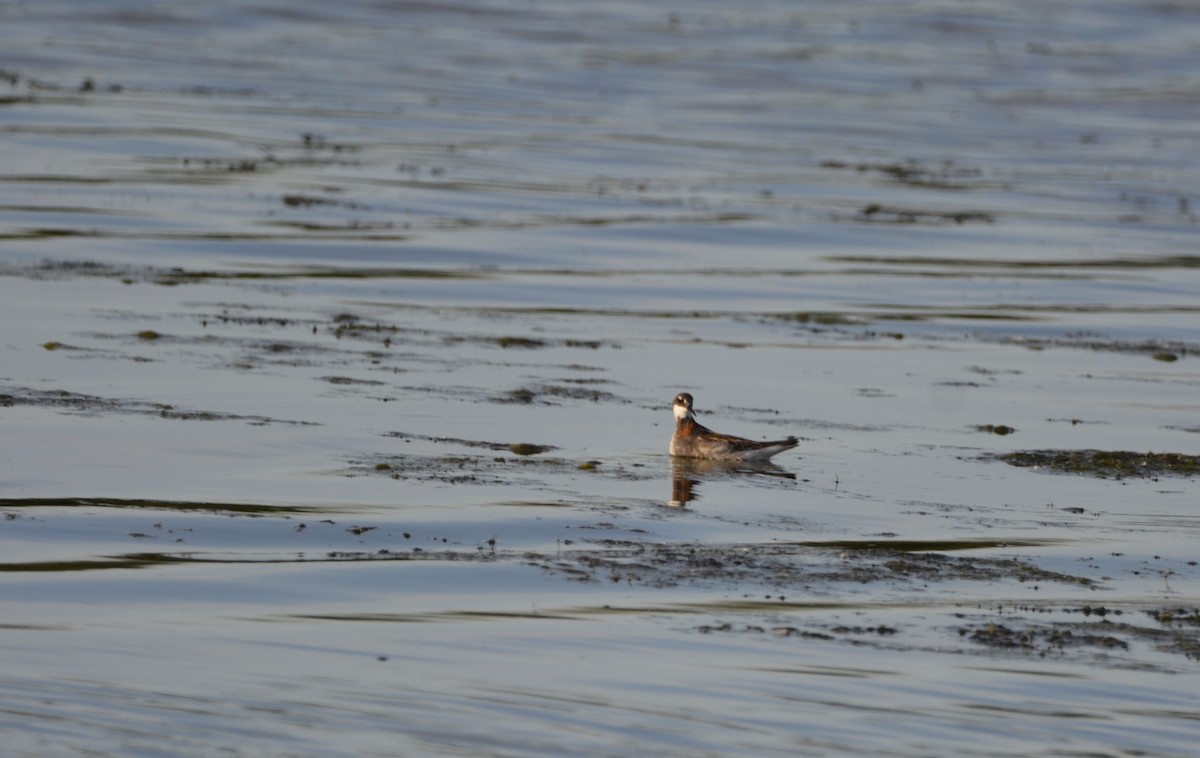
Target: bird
{"x":693,"y":440}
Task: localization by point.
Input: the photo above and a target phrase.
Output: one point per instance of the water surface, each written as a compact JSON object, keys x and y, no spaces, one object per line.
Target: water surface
{"x":288,"y":289}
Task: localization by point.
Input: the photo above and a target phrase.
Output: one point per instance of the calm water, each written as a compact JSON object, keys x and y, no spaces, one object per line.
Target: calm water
{"x":282,"y":283}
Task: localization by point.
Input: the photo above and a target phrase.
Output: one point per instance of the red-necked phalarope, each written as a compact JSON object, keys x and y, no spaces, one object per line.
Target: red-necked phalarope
{"x":691,"y":440}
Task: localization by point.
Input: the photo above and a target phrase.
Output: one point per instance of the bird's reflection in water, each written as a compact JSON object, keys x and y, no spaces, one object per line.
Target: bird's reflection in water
{"x":688,"y":473}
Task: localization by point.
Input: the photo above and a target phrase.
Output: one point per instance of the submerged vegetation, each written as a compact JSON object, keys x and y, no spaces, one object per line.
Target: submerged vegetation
{"x":1117,"y":464}
{"x":79,"y":403}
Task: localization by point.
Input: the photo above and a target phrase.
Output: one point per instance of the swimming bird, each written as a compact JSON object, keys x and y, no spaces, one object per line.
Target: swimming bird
{"x":692,"y":440}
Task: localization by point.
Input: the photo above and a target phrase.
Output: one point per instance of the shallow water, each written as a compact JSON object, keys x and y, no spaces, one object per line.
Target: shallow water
{"x":286,"y":287}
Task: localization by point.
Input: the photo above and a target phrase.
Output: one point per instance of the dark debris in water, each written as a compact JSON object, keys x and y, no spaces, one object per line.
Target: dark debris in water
{"x":489,"y":470}
{"x":784,"y":566}
{"x":56,"y":345}
{"x":517,"y":448}
{"x":94,"y":405}
{"x":849,"y":632}
{"x":349,"y":380}
{"x":1041,"y":639}
{"x":822,"y":318}
{"x":507,"y":341}
{"x":525,"y":462}
{"x":129,"y":274}
{"x":528,"y":448}
{"x":549,"y":393}
{"x":1178,"y":617}
{"x":1117,"y":464}
{"x":885,"y":214}
{"x":251,"y":509}
{"x":1105,"y":630}
{"x":1000,"y":429}
{"x":1102,"y":635}
{"x":1167,"y":351}
{"x":947,"y":175}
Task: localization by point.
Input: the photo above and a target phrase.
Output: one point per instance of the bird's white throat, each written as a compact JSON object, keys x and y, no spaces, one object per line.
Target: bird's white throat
{"x":682,"y":412}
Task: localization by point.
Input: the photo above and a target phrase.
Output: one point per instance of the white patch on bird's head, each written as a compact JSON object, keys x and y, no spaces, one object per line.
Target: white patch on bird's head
{"x":683,"y":406}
